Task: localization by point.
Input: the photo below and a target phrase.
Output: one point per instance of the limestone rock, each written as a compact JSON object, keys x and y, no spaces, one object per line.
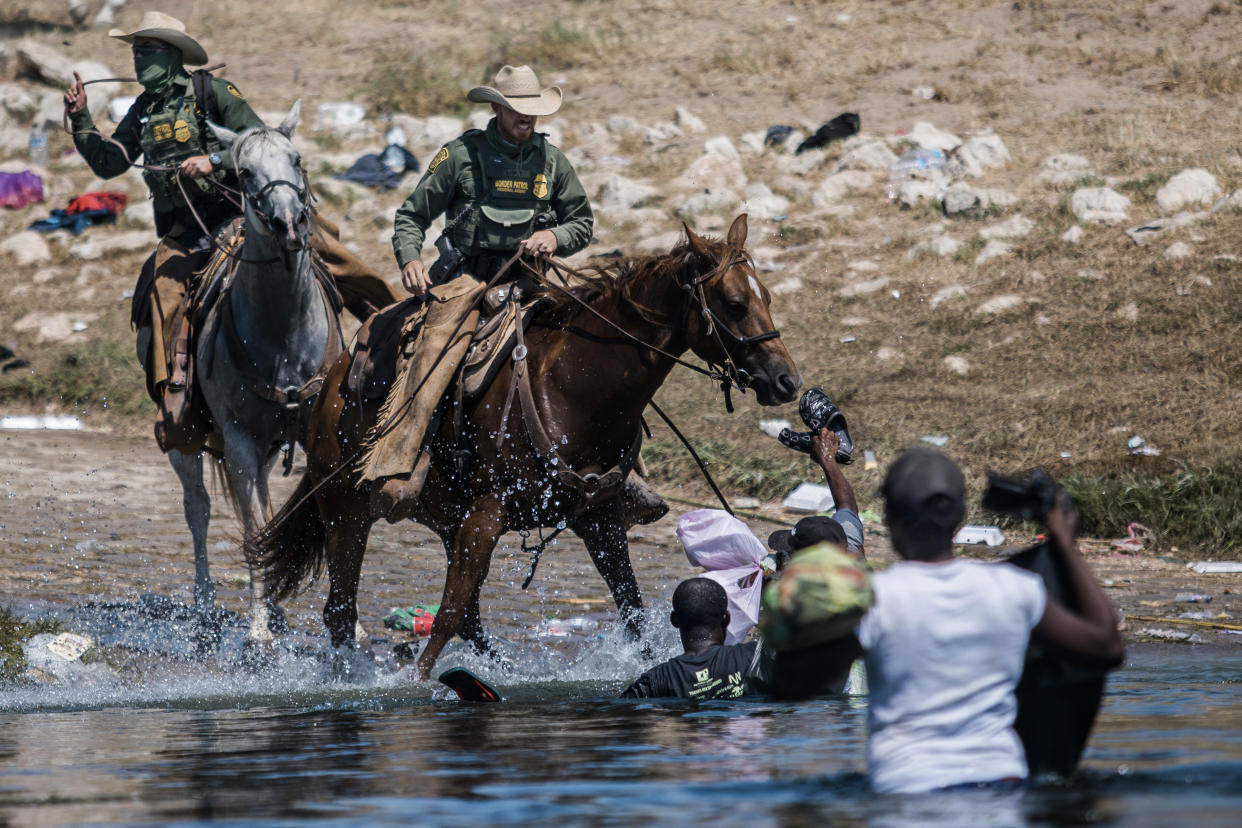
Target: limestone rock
{"x":27,"y":247}
{"x":16,"y":102}
{"x":687,"y":121}
{"x":662,"y":133}
{"x":721,"y":145}
{"x":1099,"y":204}
{"x":803,"y":164}
{"x":994,"y":249}
{"x":869,"y":154}
{"x":707,"y":201}
{"x":623,"y":125}
{"x":761,"y":203}
{"x":128,"y":242}
{"x":937,"y":245}
{"x":1000,"y":304}
{"x":960,"y":198}
{"x":1187,"y":188}
{"x":956,"y":364}
{"x":1064,"y":168}
{"x":1178,"y":250}
{"x":620,"y":192}
{"x":988,"y":149}
{"x":44,"y":62}
{"x":54,"y":327}
{"x":435,"y":131}
{"x":912,"y":191}
{"x":928,"y":136}
{"x":1012,"y":228}
{"x":945,"y":294}
{"x":661,"y":243}
{"x":712,"y":170}
{"x":863,"y":288}
{"x":837,"y":185}
{"x":962,"y":163}
{"x":1072,"y":235}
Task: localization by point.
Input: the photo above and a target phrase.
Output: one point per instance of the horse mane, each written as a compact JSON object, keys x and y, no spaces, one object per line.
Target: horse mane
{"x":621,"y":280}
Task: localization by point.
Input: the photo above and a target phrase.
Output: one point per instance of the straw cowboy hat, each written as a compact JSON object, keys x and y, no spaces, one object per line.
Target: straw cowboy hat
{"x":517,"y":87}
{"x":159,"y":26}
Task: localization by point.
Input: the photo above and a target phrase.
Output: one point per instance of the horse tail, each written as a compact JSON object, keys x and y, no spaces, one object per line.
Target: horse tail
{"x":291,"y":546}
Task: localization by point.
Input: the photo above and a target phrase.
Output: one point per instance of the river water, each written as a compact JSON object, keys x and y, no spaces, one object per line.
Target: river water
{"x":190,"y":742}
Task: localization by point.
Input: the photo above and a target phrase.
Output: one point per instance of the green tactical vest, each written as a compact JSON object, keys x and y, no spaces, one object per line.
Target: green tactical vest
{"x":513,"y":197}
{"x":168,"y":137}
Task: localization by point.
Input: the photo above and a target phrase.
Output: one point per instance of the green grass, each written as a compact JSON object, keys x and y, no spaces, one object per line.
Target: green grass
{"x":556,"y":46}
{"x":14,"y":632}
{"x":400,"y":80}
{"x":1199,"y":508}
{"x":88,"y":378}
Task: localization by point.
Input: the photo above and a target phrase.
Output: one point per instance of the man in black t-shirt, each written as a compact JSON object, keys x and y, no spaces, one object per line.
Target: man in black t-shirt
{"x":708,"y":669}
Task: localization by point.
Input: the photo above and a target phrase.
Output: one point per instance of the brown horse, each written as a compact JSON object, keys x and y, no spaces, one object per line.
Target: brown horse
{"x":588,"y":387}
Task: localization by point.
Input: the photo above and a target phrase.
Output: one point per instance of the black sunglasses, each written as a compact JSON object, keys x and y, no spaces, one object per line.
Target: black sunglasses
{"x":148,"y":49}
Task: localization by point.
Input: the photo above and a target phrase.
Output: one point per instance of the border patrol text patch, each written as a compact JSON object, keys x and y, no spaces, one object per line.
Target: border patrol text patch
{"x":440,"y":158}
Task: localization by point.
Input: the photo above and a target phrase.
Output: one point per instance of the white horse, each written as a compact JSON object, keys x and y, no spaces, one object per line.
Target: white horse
{"x":261,"y":352}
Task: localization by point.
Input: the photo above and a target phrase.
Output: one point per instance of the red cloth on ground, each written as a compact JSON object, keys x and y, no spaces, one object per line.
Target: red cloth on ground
{"x":114,"y":203}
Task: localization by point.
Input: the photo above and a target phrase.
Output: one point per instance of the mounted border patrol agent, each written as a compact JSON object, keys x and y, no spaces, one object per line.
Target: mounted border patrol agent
{"x":167,"y":124}
{"x":502,"y":189}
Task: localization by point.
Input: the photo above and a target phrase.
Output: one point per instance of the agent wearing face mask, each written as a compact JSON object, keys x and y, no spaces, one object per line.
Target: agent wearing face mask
{"x":167,"y":127}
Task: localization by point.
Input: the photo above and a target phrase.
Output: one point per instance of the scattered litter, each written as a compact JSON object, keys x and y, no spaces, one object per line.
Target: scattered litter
{"x":48,"y":422}
{"x":565,"y":627}
{"x":20,"y":188}
{"x":1193,"y":598}
{"x":1139,"y":445}
{"x":895,"y":293}
{"x":747,"y":502}
{"x":809,"y":497}
{"x":917,"y":163}
{"x":416,"y":619}
{"x":1215,"y":566}
{"x":842,"y":126}
{"x":84,"y":211}
{"x":79,"y":326}
{"x":935,"y":439}
{"x":773,"y":428}
{"x":384,"y":170}
{"x":847,"y":339}
{"x":869,"y":462}
{"x":1172,"y":635}
{"x":991,"y":535}
{"x":777,"y":135}
{"x":926,"y":93}
{"x":1137,"y":537}
{"x":1205,"y":615}
{"x":1065,"y":455}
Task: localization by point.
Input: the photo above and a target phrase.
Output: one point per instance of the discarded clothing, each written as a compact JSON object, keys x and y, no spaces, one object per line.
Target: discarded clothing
{"x":416,"y":619}
{"x":777,"y":135}
{"x":83,"y":211}
{"x":383,"y":170}
{"x":842,"y":126}
{"x":20,"y":188}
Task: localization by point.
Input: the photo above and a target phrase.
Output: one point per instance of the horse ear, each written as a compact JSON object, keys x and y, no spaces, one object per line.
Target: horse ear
{"x":737,"y":232}
{"x":696,"y":241}
{"x":290,"y":123}
{"x":227,"y":136}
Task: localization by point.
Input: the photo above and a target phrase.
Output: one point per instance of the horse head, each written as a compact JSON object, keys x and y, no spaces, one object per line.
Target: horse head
{"x":729,"y":323}
{"x":274,"y":185}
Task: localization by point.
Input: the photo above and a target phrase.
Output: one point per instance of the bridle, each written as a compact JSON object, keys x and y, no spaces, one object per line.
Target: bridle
{"x":258,"y":201}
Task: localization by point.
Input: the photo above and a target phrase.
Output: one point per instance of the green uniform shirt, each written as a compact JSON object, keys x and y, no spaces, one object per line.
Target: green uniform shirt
{"x":503,"y":192}
{"x":182,"y":139}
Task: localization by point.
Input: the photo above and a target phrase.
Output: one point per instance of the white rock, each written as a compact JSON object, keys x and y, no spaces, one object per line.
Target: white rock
{"x":962,"y":163}
{"x":722,"y":146}
{"x":712,"y":171}
{"x":619,"y":191}
{"x":862,"y":266}
{"x":1188,"y":187}
{"x":791,"y":284}
{"x":688,"y":122}
{"x":45,"y":62}
{"x":988,"y":149}
{"x":1012,"y":228}
{"x":945,"y":294}
{"x":928,"y":136}
{"x":938,"y":245}
{"x":707,"y":201}
{"x":752,"y":142}
{"x":993,"y":197}
{"x":1178,"y":250}
{"x":862,"y":288}
{"x":960,"y":198}
{"x":994,"y":249}
{"x":1064,"y":168}
{"x":912,"y":191}
{"x":15,"y":140}
{"x":623,"y":125}
{"x":1129,"y":312}
{"x":479,"y":118}
{"x":128,"y":242}
{"x":1144,"y":233}
{"x":1099,"y":204}
{"x":662,"y":243}
{"x":837,"y":185}
{"x":803,"y":164}
{"x":16,"y":101}
{"x":662,"y":133}
{"x":761,"y":203}
{"x":1072,"y":235}
{"x":27,"y":247}
{"x":925,"y":93}
{"x":885,"y":353}
{"x":870,"y":154}
{"x":1000,"y":304}
{"x":53,"y":327}
{"x":956,"y":364}
{"x":435,"y":131}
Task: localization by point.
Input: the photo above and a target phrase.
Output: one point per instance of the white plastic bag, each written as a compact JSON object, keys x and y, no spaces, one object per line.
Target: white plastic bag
{"x":726,"y":548}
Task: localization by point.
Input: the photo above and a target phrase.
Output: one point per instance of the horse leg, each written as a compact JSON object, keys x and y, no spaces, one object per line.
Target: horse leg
{"x":468,"y":565}
{"x":246,"y":472}
{"x":196,"y":503}
{"x":471,"y":623}
{"x":346,"y":544}
{"x":602,"y":529}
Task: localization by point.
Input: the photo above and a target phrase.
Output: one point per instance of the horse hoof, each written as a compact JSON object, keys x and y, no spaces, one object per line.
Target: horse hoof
{"x":258,"y":656}
{"x":277,"y":622}
{"x":207,"y":634}
{"x":352,"y":665}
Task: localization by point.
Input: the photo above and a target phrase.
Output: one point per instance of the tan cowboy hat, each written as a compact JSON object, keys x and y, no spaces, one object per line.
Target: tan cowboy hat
{"x":517,"y":87}
{"x":160,"y":26}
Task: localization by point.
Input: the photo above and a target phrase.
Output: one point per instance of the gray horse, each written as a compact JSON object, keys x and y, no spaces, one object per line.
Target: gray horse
{"x":261,"y":349}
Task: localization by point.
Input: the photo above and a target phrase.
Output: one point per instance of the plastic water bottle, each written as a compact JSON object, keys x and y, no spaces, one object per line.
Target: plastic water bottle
{"x":38,"y":145}
{"x":917,"y":163}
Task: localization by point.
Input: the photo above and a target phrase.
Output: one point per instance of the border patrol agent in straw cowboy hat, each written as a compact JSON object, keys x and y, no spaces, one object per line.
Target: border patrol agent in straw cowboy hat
{"x":159,"y":26}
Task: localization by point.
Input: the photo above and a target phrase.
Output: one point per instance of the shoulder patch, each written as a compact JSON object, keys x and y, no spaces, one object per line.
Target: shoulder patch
{"x":233,"y":91}
{"x":440,"y":158}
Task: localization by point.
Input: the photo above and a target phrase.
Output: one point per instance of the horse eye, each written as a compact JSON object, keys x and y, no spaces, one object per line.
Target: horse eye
{"x":736,"y":308}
